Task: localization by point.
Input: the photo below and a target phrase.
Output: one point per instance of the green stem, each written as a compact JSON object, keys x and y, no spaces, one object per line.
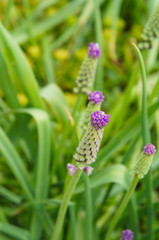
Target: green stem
{"x":134,"y":217}
{"x":7,"y":12}
{"x":121,"y":208}
{"x":62,"y":212}
{"x":146,"y":139}
{"x":78,"y":104}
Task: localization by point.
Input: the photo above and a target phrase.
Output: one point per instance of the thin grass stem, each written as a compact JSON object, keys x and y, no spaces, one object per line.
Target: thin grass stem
{"x":62,"y":212}
{"x":146,"y":139}
{"x":121,"y":208}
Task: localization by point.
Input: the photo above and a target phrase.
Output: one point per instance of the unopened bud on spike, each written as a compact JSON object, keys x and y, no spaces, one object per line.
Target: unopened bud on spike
{"x":144,"y":161}
{"x":71,"y":169}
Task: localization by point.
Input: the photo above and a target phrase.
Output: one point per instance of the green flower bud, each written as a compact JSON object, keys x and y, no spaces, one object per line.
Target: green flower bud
{"x":144,"y":161}
{"x":151,"y":30}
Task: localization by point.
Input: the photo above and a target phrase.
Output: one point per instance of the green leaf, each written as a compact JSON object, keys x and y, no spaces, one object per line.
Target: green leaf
{"x":54,"y":96}
{"x":89,"y":210}
{"x":48,"y":23}
{"x":145,"y":121}
{"x":19,"y":68}
{"x":42,"y":166}
{"x":7,"y":85}
{"x":44,"y":141}
{"x":117,"y":173}
{"x":16,"y":164}
{"x":9,"y":195}
{"x":13,"y":231}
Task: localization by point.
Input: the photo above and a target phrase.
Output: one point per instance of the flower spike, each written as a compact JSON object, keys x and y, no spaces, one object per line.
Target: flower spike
{"x":95,"y":99}
{"x":127,"y":235}
{"x":89,"y":145}
{"x":151,"y":30}
{"x":144,"y":161}
{"x":87,"y":71}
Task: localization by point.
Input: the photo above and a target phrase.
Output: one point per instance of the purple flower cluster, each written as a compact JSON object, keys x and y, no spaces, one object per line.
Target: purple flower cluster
{"x":149,"y":149}
{"x":88,"y":170}
{"x":71,"y":169}
{"x":127,"y":235}
{"x":94,"y":50}
{"x":96,"y":97}
{"x":99,"y":119}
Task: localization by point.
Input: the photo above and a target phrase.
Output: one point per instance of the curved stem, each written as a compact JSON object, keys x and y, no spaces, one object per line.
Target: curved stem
{"x":62,"y":212}
{"x":121,"y":208}
{"x":146,"y":139}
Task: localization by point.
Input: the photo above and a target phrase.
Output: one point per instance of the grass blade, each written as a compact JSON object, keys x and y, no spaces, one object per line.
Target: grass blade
{"x":49,"y":23}
{"x":7,"y":85}
{"x":117,"y":173}
{"x":54,"y":96}
{"x":42,"y":165}
{"x":16,"y":232}
{"x":89,"y":210}
{"x":7,"y":12}
{"x":16,"y":164}
{"x":19,"y":68}
{"x":99,"y":38}
{"x":48,"y":61}
{"x":9,"y":195}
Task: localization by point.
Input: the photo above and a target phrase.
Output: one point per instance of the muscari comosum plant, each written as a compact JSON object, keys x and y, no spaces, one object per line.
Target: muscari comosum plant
{"x":86,"y":152}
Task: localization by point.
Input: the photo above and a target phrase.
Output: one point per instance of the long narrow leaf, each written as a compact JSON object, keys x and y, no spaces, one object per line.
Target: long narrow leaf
{"x":117,"y":173}
{"x":54,"y":96}
{"x":16,"y":232}
{"x":146,"y":139}
{"x":9,"y":195}
{"x":16,"y":164}
{"x":42,"y":164}
{"x":19,"y":68}
{"x":49,"y":23}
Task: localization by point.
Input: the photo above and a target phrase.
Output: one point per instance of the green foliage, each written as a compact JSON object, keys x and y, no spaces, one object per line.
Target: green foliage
{"x":42,"y":46}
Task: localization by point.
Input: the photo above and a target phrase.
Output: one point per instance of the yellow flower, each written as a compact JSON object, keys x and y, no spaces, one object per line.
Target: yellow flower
{"x":107,"y":22}
{"x":34,"y":51}
{"x":107,"y":33}
{"x":81,"y":53}
{"x":120,"y":24}
{"x":61,"y":54}
{"x":22,"y":99}
{"x":51,"y":11}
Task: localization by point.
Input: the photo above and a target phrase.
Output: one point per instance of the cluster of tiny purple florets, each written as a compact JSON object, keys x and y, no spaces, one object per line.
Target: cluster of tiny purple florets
{"x":149,"y":149}
{"x":99,"y":119}
{"x":94,"y":50}
{"x":96,"y":97}
{"x":127,"y":235}
{"x":71,"y":169}
{"x":88,"y":170}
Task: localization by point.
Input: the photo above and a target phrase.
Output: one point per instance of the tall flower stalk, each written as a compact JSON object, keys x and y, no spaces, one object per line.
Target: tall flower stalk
{"x":86,"y":155}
